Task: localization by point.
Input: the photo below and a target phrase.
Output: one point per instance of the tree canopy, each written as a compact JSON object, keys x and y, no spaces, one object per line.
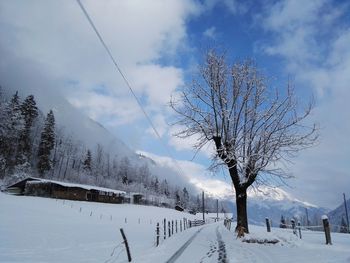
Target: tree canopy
{"x":252,"y":125}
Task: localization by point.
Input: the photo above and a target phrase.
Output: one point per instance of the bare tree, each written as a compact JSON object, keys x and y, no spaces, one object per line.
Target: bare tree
{"x":253,"y":127}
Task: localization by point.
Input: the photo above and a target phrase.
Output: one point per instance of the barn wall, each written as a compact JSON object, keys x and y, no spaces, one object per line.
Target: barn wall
{"x":38,"y":189}
{"x":70,"y":193}
{"x":50,"y":189}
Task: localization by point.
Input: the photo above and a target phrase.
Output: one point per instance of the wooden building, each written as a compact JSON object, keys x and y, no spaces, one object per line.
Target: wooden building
{"x":138,"y":198}
{"x":54,"y":189}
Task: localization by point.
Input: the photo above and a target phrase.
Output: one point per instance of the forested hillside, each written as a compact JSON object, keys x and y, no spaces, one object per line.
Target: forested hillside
{"x":34,"y":144}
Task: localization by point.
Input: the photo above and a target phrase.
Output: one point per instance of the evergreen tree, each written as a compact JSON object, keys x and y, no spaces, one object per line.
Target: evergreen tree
{"x":343,"y":226}
{"x":29,"y":112}
{"x":11,"y":123}
{"x":124,"y":170}
{"x":87,"y":161}
{"x":156,"y":185}
{"x":47,"y":143}
{"x":283,"y":222}
{"x":198,"y":203}
{"x":177,"y":197}
{"x":144,"y":174}
{"x":185,"y":198}
{"x":166,"y":188}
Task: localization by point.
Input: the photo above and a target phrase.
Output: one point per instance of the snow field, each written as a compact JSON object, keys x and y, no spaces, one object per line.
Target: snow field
{"x":34,"y":229}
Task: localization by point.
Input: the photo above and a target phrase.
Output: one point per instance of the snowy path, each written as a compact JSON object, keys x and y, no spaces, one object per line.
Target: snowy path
{"x":182,"y":249}
{"x":214,"y":243}
{"x":205,"y":244}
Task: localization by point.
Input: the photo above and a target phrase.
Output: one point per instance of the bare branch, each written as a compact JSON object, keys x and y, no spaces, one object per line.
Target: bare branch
{"x":253,"y":126}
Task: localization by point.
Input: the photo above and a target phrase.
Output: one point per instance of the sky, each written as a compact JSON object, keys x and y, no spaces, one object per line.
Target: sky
{"x":159,"y":44}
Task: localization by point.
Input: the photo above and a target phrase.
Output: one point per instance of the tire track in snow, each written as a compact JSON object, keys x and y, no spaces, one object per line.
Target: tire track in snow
{"x":179,"y":252}
{"x":222,"y":256}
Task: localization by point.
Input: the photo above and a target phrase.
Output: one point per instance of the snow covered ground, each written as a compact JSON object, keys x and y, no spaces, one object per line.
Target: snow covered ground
{"x":34,"y":229}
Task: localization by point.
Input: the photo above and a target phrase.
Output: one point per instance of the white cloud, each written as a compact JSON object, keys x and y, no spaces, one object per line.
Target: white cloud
{"x":58,"y":37}
{"x":160,"y":125}
{"x":99,"y":106}
{"x":313,"y":39}
{"x":157,"y":82}
{"x":210,"y":32}
{"x":193,"y":173}
{"x":233,"y":6}
{"x":188,"y":143}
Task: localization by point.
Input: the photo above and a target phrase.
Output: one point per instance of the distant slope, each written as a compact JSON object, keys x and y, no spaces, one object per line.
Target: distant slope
{"x":273,"y":203}
{"x":73,"y":121}
{"x":336,"y":215}
{"x":83,"y":129}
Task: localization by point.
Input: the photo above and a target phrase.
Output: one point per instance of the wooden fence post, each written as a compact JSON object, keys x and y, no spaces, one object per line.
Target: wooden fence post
{"x":180,"y":225}
{"x":126,"y":244}
{"x":293,"y":226}
{"x":268,"y":224}
{"x":157,"y":233}
{"x":172,"y":227}
{"x":327,"y":229}
{"x":169,"y":229}
{"x":176,"y":226}
{"x":299,"y":227}
{"x":164,"y":228}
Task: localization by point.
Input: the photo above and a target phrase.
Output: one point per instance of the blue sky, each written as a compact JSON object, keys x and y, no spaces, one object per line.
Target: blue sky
{"x":158,"y":45}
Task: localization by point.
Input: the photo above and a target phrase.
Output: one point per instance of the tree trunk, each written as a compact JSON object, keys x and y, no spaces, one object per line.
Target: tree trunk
{"x":241,"y":204}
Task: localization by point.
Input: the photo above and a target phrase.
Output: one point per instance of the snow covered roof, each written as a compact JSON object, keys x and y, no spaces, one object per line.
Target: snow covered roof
{"x":83,"y":186}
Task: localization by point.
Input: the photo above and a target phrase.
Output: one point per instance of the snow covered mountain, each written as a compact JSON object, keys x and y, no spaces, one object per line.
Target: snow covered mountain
{"x":335,"y":216}
{"x":274,"y":203}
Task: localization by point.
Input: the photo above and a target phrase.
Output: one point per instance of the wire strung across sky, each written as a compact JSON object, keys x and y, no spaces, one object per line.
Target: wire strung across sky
{"x":126,"y":81}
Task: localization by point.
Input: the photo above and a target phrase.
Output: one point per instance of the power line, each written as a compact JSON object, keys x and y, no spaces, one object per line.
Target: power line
{"x":117,"y":66}
{"x":125,"y":80}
